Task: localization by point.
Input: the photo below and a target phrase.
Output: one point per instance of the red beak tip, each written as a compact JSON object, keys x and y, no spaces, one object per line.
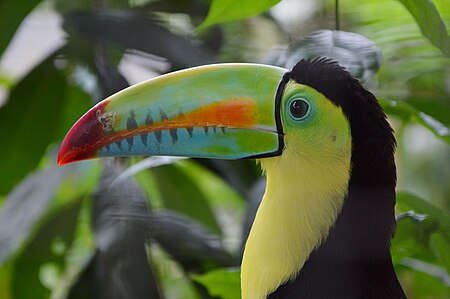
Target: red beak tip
{"x":70,"y":156}
{"x":62,"y":159}
{"x":61,"y":163}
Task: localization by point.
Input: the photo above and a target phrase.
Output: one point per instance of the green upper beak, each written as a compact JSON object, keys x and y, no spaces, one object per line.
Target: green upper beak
{"x":227,"y":111}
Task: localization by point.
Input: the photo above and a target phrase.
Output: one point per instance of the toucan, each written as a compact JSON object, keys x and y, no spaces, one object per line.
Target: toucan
{"x":324,"y":225}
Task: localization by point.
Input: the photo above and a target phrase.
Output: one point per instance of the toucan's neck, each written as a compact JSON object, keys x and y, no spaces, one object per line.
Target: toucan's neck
{"x":302,"y":200}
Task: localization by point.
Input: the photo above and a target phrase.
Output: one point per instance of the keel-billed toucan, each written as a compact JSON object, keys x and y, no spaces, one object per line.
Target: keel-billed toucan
{"x":324,"y":226}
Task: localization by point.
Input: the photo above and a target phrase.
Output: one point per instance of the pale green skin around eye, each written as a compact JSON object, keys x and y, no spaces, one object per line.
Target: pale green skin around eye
{"x":325,"y":127}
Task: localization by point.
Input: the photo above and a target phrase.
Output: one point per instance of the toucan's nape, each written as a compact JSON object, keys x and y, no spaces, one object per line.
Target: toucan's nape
{"x":324,"y":225}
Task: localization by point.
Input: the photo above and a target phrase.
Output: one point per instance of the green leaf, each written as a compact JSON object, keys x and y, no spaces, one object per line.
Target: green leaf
{"x":436,"y":109}
{"x":37,"y":269}
{"x":5,"y":282}
{"x":25,"y":206}
{"x":6,"y":82}
{"x":436,"y":219}
{"x":188,"y":242}
{"x":441,"y":249}
{"x":80,"y":180}
{"x":27,"y":122}
{"x":222,"y":11}
{"x":430,"y":22}
{"x":76,"y":103}
{"x":179,"y":192}
{"x":12,"y":13}
{"x":421,"y":285}
{"x":240,"y":175}
{"x":78,"y":256}
{"x":415,"y":230}
{"x":223,"y":283}
{"x":219,"y":191}
{"x":407,"y":201}
{"x":410,"y":239}
{"x":408,"y":113}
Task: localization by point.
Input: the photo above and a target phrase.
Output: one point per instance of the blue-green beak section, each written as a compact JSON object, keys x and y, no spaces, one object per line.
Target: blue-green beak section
{"x":226,"y":111}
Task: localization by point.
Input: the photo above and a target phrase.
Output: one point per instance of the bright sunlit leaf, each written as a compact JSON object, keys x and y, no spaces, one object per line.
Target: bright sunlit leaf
{"x":12,"y":14}
{"x":223,"y":283}
{"x":430,"y":22}
{"x":222,"y":11}
{"x":410,"y":114}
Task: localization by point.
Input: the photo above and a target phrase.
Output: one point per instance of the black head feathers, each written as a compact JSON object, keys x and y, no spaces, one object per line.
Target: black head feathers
{"x":325,"y":75}
{"x":335,"y":82}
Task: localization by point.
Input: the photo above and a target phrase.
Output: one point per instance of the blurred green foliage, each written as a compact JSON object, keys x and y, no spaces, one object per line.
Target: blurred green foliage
{"x":170,"y":228}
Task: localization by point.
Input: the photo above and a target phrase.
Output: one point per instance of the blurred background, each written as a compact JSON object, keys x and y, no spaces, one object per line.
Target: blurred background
{"x":174,"y":228}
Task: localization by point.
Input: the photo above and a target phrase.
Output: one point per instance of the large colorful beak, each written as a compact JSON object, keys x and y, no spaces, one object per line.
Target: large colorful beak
{"x":226,"y":111}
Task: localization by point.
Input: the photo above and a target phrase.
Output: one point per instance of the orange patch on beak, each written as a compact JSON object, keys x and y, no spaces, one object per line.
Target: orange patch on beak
{"x":235,"y":113}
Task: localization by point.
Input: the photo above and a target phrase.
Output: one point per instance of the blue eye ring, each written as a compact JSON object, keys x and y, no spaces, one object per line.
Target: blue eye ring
{"x":299,"y":108}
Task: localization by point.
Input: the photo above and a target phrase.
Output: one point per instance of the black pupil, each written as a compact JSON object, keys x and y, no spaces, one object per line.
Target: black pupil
{"x":299,"y":108}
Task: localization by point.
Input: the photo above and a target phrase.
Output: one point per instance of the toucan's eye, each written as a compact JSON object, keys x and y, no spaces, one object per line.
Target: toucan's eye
{"x":298,"y":108}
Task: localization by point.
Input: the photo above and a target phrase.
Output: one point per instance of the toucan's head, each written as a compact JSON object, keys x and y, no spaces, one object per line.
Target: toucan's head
{"x":226,"y":111}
